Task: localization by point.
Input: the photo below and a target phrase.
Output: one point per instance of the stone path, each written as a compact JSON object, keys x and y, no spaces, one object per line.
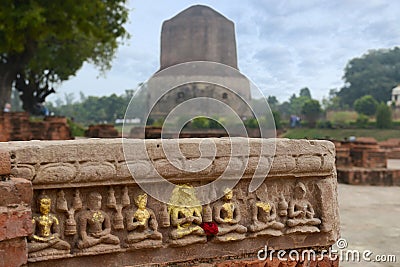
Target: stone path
{"x":370,"y":220}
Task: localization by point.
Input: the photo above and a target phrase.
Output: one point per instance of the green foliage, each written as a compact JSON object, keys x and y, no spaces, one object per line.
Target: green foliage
{"x":305,"y":92}
{"x":251,"y":123}
{"x":297,"y":103}
{"x":158,"y":123}
{"x":284,"y":109}
{"x":205,"y":123}
{"x":76,"y":128}
{"x":93,"y":109}
{"x":200,"y":123}
{"x":44,"y":42}
{"x":332,"y":102}
{"x":311,"y":109}
{"x":277,"y":119}
{"x":383,"y":116}
{"x":375,"y":73}
{"x":341,"y":119}
{"x":324,"y":125}
{"x":272,"y":102}
{"x":366,"y":105}
{"x":362,"y":120}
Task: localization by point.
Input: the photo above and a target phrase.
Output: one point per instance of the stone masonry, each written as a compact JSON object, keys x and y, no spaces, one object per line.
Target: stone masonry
{"x":75,"y":180}
{"x":15,"y":215}
{"x":198,"y":33}
{"x":198,"y":59}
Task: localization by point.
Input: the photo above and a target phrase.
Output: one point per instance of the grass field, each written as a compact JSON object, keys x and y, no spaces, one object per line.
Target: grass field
{"x":340,"y":134}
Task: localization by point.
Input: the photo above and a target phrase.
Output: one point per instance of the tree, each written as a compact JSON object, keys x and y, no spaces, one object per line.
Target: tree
{"x":92,"y":109}
{"x":366,"y":105}
{"x":305,"y":92}
{"x":44,"y":42}
{"x":297,"y":103}
{"x":311,"y":111}
{"x":272,"y":102}
{"x":383,"y":116}
{"x":375,"y":73}
{"x":332,"y":102}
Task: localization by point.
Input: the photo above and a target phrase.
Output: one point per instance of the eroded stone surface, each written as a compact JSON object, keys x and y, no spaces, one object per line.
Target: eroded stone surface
{"x":198,"y":33}
{"x":5,"y":164}
{"x":70,"y":172}
{"x":93,"y":160}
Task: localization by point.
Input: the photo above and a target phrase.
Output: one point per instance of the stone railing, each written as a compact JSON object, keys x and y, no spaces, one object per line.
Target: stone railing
{"x":88,"y":210}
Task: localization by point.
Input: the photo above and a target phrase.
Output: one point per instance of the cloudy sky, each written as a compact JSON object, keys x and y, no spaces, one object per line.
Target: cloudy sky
{"x":283,"y":46}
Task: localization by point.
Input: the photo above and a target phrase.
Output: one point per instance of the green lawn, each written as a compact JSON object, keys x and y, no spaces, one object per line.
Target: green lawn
{"x":340,"y":134}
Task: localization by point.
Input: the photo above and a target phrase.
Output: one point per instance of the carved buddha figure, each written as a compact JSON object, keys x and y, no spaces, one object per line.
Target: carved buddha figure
{"x":227,"y":215}
{"x":46,"y":230}
{"x":301,"y":213}
{"x":142,"y":223}
{"x":185,"y":213}
{"x":95,"y":225}
{"x":263,"y":213}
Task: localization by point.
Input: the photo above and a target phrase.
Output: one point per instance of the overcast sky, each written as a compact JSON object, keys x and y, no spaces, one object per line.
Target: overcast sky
{"x":283,"y":46}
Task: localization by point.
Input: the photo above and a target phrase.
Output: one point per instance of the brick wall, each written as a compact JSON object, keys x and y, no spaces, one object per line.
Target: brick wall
{"x":15,"y":215}
{"x":15,"y":126}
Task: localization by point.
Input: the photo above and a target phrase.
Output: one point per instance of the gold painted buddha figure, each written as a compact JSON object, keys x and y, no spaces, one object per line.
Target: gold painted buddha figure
{"x":185,"y":212}
{"x":227,"y":216}
{"x":264,"y":215}
{"x":46,"y":231}
{"x":142,"y":224}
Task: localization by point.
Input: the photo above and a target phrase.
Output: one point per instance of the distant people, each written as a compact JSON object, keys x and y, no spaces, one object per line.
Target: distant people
{"x":7,"y":107}
{"x":294,"y":121}
{"x":40,"y":110}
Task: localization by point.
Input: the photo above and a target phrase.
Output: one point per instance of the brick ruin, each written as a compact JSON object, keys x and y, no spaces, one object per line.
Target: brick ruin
{"x":16,"y":126}
{"x":366,"y":161}
{"x":102,"y":131}
{"x":96,"y":214}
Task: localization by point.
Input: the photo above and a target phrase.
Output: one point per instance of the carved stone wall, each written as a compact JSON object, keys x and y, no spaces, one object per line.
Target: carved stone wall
{"x":87,"y":209}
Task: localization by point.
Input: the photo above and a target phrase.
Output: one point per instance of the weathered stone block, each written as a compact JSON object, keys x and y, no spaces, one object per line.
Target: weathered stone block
{"x":15,"y":191}
{"x":15,"y":222}
{"x":5,"y":163}
{"x":13,"y":253}
{"x":68,"y":172}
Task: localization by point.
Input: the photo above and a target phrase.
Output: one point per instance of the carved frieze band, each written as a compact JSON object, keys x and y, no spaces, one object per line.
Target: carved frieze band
{"x":72,"y":222}
{"x":52,"y":164}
